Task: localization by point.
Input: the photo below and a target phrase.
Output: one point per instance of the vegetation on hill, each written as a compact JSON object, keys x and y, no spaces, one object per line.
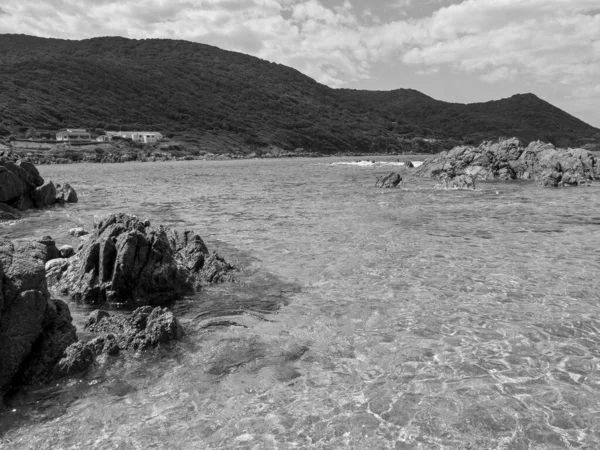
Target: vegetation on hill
{"x":224,"y":101}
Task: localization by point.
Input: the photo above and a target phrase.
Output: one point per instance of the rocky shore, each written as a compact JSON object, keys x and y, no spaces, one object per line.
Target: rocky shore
{"x":124,"y":261}
{"x":22,"y":187}
{"x":509,"y":159}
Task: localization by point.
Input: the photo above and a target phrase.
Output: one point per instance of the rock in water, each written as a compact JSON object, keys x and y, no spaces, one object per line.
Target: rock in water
{"x":22,"y":187}
{"x":65,"y":194}
{"x":459,"y":182}
{"x":129,"y":260}
{"x":391,"y":180}
{"x":508,"y":160}
{"x":34,"y":330}
{"x":146,"y":328}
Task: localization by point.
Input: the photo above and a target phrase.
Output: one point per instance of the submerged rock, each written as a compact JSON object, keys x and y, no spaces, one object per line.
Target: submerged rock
{"x":391,"y":180}
{"x":34,"y":329}
{"x":129,"y":260}
{"x":145,"y":328}
{"x":509,"y":159}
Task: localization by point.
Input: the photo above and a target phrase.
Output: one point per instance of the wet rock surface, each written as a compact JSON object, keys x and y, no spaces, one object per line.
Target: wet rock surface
{"x":509,"y":160}
{"x":145,"y":328}
{"x":34,"y":329}
{"x":127,"y":260}
{"x":22,"y":187}
{"x":391,"y":180}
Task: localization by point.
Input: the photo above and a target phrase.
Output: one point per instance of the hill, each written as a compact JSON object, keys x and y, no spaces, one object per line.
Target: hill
{"x":224,"y":101}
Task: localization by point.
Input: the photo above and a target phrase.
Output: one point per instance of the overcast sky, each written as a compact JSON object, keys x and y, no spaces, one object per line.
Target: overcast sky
{"x":454,"y":50}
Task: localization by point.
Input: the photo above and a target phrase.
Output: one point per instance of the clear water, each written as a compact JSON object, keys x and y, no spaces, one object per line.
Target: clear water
{"x":410,"y":318}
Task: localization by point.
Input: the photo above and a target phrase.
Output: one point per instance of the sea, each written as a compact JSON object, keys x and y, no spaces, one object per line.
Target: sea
{"x":361,"y":318}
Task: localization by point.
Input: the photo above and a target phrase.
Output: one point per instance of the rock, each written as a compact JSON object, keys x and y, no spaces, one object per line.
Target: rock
{"x":409,"y":164}
{"x":22,"y":187}
{"x":145,"y":328}
{"x":55,"y":269}
{"x":8,"y":213}
{"x":509,"y":159}
{"x":77,"y":358}
{"x":44,"y":195}
{"x":65,"y":194}
{"x":33,"y":328}
{"x":78,"y":232}
{"x":549,"y":178}
{"x":52,"y":251}
{"x":391,"y":180}
{"x":11,"y":187}
{"x":129,"y":260}
{"x":459,"y":182}
{"x":66,"y":251}
{"x":50,"y":346}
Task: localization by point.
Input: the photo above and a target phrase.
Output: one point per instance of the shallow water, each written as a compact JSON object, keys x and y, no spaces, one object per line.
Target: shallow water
{"x":409,"y":318}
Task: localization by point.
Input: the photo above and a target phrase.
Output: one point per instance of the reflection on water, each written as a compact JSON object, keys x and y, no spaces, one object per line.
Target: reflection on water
{"x":409,"y":318}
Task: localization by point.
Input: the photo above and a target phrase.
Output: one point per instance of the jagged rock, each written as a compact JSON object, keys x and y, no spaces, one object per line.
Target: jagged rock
{"x":65,"y":194}
{"x":409,"y":164}
{"x":66,"y":251}
{"x":129,"y":260}
{"x":391,"y":180}
{"x":78,"y":232}
{"x":22,"y":187}
{"x":33,"y":328}
{"x":145,"y":328}
{"x":508,"y":160}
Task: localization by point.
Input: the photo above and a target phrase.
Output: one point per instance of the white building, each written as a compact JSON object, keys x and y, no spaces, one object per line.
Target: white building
{"x":145,"y":137}
{"x":73,"y":134}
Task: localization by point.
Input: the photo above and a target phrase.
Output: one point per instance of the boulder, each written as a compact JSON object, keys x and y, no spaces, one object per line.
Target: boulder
{"x":66,"y":251}
{"x":34,"y":330}
{"x":8,"y":213}
{"x":508,"y":160}
{"x":22,"y":187}
{"x":52,"y":252}
{"x":44,"y":195}
{"x":127,"y":260}
{"x":145,"y":328}
{"x":391,"y":180}
{"x":65,"y":194}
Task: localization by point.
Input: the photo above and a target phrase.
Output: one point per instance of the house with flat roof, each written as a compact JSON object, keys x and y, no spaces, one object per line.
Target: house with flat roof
{"x":73,"y":134}
{"x":145,"y":137}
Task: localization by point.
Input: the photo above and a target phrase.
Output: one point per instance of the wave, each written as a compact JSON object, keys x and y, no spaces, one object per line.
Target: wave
{"x":368,"y":163}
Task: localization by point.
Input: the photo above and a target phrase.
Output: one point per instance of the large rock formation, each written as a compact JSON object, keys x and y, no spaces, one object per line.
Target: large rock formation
{"x":509,"y":160}
{"x":22,"y":187}
{"x":129,"y":260}
{"x":34,"y":329}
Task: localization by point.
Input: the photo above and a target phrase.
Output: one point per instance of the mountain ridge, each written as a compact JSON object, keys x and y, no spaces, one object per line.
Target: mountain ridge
{"x":221,"y":99}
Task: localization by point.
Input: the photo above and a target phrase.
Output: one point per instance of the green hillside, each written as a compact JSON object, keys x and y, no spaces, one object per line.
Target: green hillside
{"x":222,"y":99}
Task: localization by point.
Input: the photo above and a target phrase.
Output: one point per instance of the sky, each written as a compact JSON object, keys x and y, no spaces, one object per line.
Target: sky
{"x":453,"y":50}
